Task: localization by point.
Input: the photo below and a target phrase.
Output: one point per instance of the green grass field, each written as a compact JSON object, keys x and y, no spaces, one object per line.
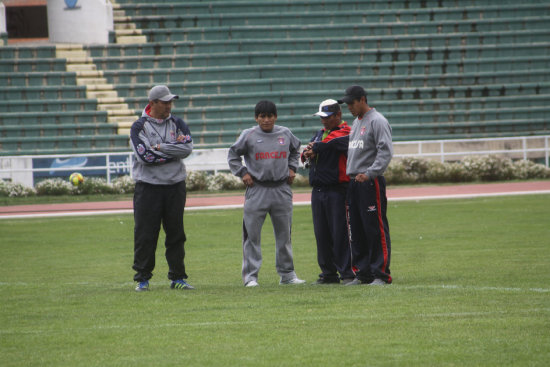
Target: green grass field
{"x":471,"y":288}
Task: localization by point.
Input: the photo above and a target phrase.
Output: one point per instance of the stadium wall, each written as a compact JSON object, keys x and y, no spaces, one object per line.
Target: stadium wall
{"x":85,"y":22}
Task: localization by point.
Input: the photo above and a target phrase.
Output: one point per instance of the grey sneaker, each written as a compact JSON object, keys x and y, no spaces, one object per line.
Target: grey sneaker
{"x":346,"y":281}
{"x":292,"y":281}
{"x":252,"y":283}
{"x":355,"y":281}
{"x":378,"y":281}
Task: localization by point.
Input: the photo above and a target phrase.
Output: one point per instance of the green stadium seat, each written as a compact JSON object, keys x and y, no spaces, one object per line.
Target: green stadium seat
{"x":48,"y":105}
{"x":32,"y":65}
{"x":69,"y":117}
{"x":57,"y":92}
{"x":25,"y":79}
{"x":438,"y":68}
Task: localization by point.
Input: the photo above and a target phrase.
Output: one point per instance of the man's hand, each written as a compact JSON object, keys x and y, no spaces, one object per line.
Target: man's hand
{"x":183,"y":138}
{"x":291,"y":176}
{"x":361,"y":177}
{"x":248,"y":180}
{"x":308,"y":152}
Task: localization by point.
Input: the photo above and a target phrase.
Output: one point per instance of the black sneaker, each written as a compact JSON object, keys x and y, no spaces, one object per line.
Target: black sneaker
{"x":327,"y":281}
{"x":180,"y":284}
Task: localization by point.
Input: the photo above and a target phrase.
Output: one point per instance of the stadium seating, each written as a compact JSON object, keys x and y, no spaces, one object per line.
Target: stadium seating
{"x":436,"y":68}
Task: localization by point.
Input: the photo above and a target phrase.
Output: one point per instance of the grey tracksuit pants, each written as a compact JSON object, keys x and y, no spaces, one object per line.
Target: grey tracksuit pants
{"x":261,"y":199}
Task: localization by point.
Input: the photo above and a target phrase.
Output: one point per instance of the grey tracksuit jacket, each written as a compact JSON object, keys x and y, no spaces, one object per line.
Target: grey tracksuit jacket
{"x":164,"y":166}
{"x":267,"y":156}
{"x":370,"y":145}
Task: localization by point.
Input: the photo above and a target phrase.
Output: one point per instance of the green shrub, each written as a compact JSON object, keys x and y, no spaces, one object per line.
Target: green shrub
{"x":301,"y":181}
{"x":123,"y":185}
{"x":224,"y":181}
{"x":10,"y":189}
{"x":95,"y":185}
{"x":400,"y":171}
{"x":473,"y":168}
{"x":526,"y":169}
{"x":489,"y":168}
{"x":396,"y":173}
{"x":55,"y":186}
{"x":196,"y":180}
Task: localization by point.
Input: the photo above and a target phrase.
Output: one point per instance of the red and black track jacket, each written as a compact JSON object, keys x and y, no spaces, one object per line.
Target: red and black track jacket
{"x":328,"y":167}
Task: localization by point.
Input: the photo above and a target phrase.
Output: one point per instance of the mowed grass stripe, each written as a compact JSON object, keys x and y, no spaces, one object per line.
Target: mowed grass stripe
{"x":471,"y":288}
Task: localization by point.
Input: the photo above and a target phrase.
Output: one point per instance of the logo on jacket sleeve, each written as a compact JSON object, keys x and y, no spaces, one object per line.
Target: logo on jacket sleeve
{"x":140,"y":149}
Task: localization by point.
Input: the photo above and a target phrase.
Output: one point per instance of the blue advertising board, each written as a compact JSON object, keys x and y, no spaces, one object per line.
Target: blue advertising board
{"x":119,"y":165}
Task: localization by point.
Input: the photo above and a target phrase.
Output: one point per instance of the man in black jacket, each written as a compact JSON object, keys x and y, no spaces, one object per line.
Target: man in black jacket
{"x":326,"y":157}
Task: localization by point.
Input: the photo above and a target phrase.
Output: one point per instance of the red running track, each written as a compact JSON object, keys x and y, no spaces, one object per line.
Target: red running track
{"x":212,"y":201}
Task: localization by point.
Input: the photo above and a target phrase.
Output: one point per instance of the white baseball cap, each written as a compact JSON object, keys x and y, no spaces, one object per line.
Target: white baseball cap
{"x":161,"y":93}
{"x":327,"y":108}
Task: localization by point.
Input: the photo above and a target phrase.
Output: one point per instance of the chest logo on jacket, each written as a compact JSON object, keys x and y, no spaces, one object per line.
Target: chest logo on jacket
{"x":270,"y":155}
{"x":354,"y":144}
{"x":363,"y":129}
{"x":281,"y":141}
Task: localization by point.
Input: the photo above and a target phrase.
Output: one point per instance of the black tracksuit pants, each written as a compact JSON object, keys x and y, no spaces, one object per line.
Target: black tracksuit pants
{"x":328,"y":206}
{"x":369,"y":229}
{"x":155,"y":205}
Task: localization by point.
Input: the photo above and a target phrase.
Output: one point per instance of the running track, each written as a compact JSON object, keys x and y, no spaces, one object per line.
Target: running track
{"x":220,"y":202}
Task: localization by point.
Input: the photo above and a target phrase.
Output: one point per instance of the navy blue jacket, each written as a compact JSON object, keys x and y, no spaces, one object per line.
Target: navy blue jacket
{"x":328,"y":167}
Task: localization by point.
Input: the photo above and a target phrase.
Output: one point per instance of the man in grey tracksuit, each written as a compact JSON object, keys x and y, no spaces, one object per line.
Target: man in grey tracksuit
{"x":271,"y":155}
{"x":160,"y":142}
{"x":369,"y":153}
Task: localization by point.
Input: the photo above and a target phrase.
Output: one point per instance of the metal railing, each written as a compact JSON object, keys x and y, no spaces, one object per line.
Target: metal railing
{"x":30,"y":168}
{"x":524,"y":147}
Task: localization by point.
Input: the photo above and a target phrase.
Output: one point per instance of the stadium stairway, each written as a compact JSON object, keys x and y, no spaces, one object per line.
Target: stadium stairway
{"x":59,"y":90}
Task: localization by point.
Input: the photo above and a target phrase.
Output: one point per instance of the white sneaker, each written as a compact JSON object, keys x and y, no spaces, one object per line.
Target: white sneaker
{"x":292,"y":281}
{"x":252,"y":283}
{"x":377,"y":281}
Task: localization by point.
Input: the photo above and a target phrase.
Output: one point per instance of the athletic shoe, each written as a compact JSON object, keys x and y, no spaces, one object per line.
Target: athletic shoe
{"x":292,"y":281}
{"x":378,"y":281}
{"x":347,"y":281}
{"x":180,"y":284}
{"x":356,"y":281}
{"x":252,"y":283}
{"x":326,"y":281}
{"x":142,"y":286}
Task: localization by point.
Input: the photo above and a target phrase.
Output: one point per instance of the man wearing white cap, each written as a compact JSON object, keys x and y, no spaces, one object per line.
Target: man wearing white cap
{"x":326,"y":156}
{"x":160,"y":142}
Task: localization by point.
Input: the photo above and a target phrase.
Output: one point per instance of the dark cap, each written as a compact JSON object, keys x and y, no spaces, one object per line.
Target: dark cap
{"x":352,"y":93}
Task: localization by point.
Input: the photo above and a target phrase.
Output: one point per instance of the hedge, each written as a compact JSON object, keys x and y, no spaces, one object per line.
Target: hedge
{"x":400,"y":171}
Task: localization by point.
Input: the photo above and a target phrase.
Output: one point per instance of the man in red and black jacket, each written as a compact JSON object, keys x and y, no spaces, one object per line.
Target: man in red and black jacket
{"x":326,"y":157}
